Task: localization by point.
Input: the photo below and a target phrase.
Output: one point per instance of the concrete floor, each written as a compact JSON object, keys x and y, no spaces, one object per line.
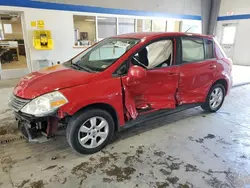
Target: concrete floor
{"x":241,"y":74}
{"x":188,"y":149}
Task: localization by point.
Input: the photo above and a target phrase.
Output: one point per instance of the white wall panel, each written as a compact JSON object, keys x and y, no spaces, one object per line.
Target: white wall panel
{"x":235,"y":6}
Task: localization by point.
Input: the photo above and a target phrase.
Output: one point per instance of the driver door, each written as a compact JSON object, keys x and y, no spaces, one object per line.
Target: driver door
{"x":157,"y":89}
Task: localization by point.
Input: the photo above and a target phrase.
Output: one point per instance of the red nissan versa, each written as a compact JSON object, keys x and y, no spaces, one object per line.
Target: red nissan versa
{"x":119,"y":82}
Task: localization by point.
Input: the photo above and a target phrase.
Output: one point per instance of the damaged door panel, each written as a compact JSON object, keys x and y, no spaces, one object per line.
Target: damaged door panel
{"x":155,"y":91}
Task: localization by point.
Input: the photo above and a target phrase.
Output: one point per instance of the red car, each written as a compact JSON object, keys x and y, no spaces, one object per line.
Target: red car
{"x":119,"y":82}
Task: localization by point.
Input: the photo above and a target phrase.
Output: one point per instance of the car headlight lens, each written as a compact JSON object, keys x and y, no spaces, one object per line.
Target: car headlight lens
{"x":45,"y":104}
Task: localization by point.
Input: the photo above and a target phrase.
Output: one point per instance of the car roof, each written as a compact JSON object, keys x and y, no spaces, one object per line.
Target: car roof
{"x":148,"y":35}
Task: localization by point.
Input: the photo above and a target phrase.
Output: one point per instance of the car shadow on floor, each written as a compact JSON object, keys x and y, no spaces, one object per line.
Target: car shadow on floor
{"x":58,"y":146}
{"x":157,"y":123}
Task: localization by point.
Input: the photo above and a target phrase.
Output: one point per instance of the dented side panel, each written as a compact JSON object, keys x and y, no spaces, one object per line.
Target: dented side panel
{"x":195,"y":81}
{"x":154,"y":92}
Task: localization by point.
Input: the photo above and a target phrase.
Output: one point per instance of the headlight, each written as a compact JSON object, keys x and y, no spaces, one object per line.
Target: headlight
{"x":45,"y":104}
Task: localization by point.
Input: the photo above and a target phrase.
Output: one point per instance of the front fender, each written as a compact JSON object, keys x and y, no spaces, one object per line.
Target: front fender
{"x":107,"y":91}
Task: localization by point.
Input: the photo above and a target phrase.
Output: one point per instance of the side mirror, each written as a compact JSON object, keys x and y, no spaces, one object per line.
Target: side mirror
{"x":135,"y":73}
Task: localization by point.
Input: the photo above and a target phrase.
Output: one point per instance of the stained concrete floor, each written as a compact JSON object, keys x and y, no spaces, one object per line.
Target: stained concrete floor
{"x":187,"y":149}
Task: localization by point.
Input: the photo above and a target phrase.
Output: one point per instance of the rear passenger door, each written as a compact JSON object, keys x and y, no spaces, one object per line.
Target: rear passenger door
{"x":197,"y":69}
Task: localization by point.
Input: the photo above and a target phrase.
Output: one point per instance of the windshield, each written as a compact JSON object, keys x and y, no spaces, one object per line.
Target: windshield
{"x":100,"y":56}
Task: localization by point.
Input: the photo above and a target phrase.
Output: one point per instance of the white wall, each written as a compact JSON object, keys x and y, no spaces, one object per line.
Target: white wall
{"x":241,"y":55}
{"x":236,"y":6}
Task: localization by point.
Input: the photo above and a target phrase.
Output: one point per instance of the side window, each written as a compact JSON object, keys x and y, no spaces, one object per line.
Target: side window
{"x":192,"y":50}
{"x":155,"y":55}
{"x":209,"y":49}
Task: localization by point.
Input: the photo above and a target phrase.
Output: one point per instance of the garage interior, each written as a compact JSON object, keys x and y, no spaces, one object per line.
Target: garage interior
{"x":189,"y":149}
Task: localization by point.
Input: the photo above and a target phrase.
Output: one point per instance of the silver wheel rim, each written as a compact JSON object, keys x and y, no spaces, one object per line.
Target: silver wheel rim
{"x":216,"y":98}
{"x":93,"y":132}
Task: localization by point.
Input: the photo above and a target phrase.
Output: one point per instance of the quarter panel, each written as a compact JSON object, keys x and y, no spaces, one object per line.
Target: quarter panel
{"x":195,"y":81}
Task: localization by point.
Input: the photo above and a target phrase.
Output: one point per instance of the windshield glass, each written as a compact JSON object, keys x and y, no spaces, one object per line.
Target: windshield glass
{"x":100,"y":56}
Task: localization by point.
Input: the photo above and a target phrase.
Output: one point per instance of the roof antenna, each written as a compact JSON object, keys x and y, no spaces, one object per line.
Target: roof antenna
{"x":188,"y":29}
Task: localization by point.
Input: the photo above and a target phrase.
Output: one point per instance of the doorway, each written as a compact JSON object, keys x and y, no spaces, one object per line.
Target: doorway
{"x":228,"y":39}
{"x":13,"y":56}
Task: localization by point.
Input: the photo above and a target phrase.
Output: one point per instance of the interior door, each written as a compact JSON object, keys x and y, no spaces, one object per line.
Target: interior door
{"x":157,"y":89}
{"x":227,"y":41}
{"x":197,"y":70}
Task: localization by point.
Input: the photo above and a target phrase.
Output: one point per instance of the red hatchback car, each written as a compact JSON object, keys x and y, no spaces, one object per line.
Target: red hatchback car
{"x":119,"y":82}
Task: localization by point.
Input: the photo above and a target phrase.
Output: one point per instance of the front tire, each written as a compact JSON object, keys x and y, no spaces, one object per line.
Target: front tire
{"x":90,"y":131}
{"x":215,"y":98}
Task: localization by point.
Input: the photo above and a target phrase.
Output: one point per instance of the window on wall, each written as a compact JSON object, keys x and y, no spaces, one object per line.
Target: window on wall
{"x":1,"y":32}
{"x":159,"y":25}
{"x":7,"y":28}
{"x":177,"y":26}
{"x":229,"y":32}
{"x":192,"y":26}
{"x":106,"y":27}
{"x":173,"y":26}
{"x":192,"y":50}
{"x":126,"y":25}
{"x":84,"y":30}
{"x":144,"y":25}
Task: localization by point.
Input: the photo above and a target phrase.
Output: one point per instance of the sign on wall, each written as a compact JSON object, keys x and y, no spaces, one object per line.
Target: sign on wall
{"x":33,"y":23}
{"x":40,"y":24}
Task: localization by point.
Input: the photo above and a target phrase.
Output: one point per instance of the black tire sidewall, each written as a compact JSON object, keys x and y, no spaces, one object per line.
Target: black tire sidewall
{"x":75,"y":124}
{"x":206,"y":106}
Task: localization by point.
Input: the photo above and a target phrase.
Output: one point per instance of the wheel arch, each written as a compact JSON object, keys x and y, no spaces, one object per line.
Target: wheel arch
{"x":103,"y":106}
{"x":222,"y":82}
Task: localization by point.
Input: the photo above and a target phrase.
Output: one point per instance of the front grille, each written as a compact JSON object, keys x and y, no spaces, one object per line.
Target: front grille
{"x":17,"y":103}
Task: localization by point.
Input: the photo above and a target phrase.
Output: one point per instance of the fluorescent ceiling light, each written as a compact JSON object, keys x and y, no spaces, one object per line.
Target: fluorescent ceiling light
{"x":101,"y":18}
{"x":89,"y":20}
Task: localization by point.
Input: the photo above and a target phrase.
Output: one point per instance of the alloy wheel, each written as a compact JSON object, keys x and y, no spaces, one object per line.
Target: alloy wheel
{"x":93,"y":132}
{"x":216,"y":98}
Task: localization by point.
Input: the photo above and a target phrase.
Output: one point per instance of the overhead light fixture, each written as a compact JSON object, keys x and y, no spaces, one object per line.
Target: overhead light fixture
{"x":89,"y":20}
{"x":101,"y":18}
{"x":14,"y":19}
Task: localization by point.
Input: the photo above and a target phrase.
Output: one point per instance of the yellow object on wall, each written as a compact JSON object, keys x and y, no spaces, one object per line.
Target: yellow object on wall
{"x":42,"y":40}
{"x":40,"y":24}
{"x":33,"y":23}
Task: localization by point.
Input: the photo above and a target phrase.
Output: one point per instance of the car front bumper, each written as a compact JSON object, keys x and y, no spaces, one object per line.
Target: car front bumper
{"x":36,"y":129}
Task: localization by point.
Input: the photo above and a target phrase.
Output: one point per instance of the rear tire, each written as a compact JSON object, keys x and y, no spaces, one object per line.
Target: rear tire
{"x":215,"y":98}
{"x":90,"y":131}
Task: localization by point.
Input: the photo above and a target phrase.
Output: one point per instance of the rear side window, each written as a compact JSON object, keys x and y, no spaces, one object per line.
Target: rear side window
{"x":192,"y":50}
{"x":209,"y":49}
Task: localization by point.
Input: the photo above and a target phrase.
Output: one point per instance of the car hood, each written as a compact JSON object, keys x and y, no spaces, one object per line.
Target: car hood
{"x":50,"y":79}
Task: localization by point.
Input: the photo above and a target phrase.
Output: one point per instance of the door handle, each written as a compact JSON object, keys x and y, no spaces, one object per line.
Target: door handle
{"x":212,"y":66}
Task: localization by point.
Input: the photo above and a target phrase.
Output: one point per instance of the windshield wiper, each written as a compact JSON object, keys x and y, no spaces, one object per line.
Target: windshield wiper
{"x":79,"y":67}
